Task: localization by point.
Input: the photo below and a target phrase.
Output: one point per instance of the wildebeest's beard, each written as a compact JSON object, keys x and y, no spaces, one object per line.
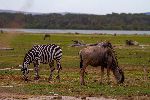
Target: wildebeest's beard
{"x":119,"y":75}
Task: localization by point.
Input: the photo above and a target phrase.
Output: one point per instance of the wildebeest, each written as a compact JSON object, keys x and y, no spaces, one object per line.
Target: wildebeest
{"x":47,"y":36}
{"x":131,"y":42}
{"x":100,"y":56}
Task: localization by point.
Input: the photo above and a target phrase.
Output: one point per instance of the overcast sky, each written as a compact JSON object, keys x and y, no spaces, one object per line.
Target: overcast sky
{"x":77,"y":6}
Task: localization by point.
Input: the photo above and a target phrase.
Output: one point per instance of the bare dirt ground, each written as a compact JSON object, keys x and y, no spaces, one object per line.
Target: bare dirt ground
{"x":8,"y":96}
{"x":4,"y":95}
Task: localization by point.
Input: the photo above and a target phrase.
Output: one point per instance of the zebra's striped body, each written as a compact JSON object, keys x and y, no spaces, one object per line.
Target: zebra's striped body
{"x":45,"y":54}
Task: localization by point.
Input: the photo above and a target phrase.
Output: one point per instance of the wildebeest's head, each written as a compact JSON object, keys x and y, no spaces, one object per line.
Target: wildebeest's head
{"x":105,"y":44}
{"x":119,"y":75}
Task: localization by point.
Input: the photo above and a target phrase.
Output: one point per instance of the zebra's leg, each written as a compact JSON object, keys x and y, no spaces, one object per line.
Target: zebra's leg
{"x":36,"y":68}
{"x":51,"y":65}
{"x":58,"y":69}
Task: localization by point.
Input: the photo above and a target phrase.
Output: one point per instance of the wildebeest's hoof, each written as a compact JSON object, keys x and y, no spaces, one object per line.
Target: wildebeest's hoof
{"x":108,"y":83}
{"x":82,"y":83}
{"x":101,"y":83}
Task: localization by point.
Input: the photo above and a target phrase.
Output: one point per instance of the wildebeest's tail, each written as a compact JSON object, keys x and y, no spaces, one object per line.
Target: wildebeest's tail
{"x":81,"y":60}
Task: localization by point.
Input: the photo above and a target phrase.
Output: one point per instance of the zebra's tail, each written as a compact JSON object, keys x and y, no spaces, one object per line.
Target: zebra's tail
{"x":81,"y":61}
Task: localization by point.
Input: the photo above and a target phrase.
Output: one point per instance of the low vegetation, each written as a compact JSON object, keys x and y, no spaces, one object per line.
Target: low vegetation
{"x":134,"y":60}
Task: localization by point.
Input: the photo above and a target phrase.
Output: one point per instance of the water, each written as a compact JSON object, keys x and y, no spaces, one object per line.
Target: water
{"x":75,"y":31}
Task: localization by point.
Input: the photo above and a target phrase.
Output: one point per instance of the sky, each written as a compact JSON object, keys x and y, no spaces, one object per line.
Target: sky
{"x":100,"y":7}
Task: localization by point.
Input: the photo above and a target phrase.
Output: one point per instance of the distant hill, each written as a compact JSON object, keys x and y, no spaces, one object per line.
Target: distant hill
{"x":36,"y":13}
{"x":13,"y":11}
{"x":147,"y":13}
{"x":7,"y":11}
{"x":66,"y":20}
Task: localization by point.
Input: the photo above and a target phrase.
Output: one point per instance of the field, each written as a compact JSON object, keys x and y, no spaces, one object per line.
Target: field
{"x":134,"y":60}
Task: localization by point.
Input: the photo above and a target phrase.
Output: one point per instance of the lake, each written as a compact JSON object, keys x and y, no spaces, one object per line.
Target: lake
{"x":75,"y":31}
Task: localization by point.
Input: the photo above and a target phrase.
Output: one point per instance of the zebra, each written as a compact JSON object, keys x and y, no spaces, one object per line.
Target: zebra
{"x":45,"y":54}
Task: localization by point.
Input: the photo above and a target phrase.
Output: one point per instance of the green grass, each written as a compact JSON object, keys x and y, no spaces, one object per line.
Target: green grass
{"x":131,"y":59}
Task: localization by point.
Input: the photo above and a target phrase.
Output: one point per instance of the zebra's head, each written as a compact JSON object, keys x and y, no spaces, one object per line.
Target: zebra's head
{"x":24,"y":70}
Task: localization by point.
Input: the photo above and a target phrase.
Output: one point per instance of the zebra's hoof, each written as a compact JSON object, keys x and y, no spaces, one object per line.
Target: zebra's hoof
{"x":36,"y":78}
{"x":50,"y":79}
{"x":26,"y":79}
{"x":58,"y":78}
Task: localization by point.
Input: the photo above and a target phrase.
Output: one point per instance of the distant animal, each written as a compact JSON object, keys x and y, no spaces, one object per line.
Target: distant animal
{"x":45,"y":54}
{"x":114,"y":34}
{"x":77,"y":43}
{"x":47,"y":36}
{"x":100,"y":56}
{"x":103,"y":44}
{"x":1,"y":31}
{"x":131,"y":42}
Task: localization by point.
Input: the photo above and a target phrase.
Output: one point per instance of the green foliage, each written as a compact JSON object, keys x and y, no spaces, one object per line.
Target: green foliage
{"x":112,"y":21}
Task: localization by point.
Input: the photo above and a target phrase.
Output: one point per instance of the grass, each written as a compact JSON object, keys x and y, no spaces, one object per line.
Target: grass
{"x":131,"y":59}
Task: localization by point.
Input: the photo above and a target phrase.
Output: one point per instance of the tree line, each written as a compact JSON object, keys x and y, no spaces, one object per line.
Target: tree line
{"x":112,"y":21}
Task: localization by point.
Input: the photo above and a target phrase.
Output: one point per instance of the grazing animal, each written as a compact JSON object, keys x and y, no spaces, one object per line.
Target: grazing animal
{"x":100,"y":56}
{"x":45,"y":54}
{"x":103,"y":44}
{"x":77,"y":43}
{"x":131,"y":42}
{"x":1,"y":31}
{"x":46,"y":36}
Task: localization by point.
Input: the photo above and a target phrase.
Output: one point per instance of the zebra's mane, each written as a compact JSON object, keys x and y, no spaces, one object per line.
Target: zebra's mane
{"x":27,"y":55}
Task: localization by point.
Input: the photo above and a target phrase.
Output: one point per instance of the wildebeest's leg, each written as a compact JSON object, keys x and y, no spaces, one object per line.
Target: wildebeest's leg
{"x":51,"y":65}
{"x":109,"y":64}
{"x":82,"y":73}
{"x":58,"y":69}
{"x":102,"y":74}
{"x":36,"y":68}
{"x":108,"y":73}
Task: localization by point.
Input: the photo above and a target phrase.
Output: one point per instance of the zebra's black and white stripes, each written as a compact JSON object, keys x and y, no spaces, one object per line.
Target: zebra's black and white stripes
{"x":45,"y":54}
